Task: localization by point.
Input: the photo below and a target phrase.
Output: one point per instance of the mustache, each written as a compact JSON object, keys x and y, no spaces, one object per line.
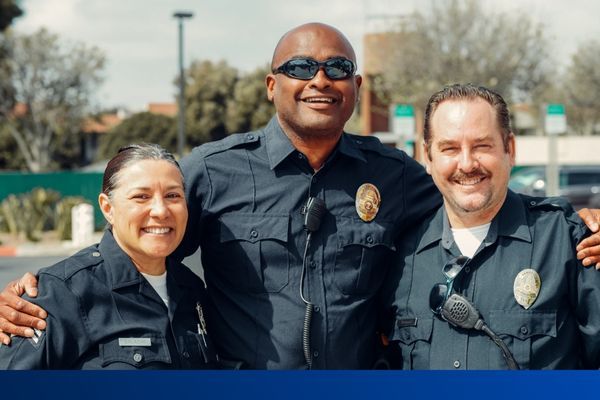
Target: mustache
{"x":479,"y":173}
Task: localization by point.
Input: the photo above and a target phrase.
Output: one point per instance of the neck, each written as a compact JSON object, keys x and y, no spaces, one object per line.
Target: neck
{"x":154,"y":267}
{"x":316,"y":146}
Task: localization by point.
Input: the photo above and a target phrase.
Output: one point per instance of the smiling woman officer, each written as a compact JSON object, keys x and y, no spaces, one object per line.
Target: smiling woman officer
{"x":121,"y":304}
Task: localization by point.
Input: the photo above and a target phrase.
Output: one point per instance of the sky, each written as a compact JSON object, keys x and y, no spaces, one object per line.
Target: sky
{"x":139,"y":37}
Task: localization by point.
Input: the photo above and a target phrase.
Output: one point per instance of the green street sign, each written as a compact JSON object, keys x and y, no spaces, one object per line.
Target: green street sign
{"x":555,"y":109}
{"x":404,"y":110}
{"x":555,"y":120}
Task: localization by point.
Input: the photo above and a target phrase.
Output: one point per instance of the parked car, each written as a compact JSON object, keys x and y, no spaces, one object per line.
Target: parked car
{"x":580,"y":184}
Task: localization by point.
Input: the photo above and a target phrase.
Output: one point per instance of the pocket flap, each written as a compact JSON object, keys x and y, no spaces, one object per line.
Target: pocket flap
{"x":352,"y":231}
{"x":523,"y":324}
{"x":138,"y":356}
{"x":254,"y":227}
{"x":409,"y":330}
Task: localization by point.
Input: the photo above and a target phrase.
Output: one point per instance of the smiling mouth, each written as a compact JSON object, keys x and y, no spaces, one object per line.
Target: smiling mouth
{"x":319,"y":100}
{"x":469,"y":181}
{"x":157,"y":231}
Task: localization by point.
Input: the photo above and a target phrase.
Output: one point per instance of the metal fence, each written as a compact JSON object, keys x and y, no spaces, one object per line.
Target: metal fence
{"x":85,"y":184}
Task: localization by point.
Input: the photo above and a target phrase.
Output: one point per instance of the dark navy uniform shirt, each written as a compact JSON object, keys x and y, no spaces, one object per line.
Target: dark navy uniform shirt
{"x":561,"y":329}
{"x":103,"y":314}
{"x":245,"y":195}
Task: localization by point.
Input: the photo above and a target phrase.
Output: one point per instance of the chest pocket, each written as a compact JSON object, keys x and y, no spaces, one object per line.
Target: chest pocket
{"x":155,"y":356}
{"x":519,"y":330}
{"x":414,"y":340}
{"x":363,"y":255}
{"x":254,"y":251}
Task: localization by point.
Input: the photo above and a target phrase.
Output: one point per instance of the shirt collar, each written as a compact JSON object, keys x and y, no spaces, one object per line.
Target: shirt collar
{"x":279,"y":146}
{"x":511,"y":221}
{"x":121,"y":269}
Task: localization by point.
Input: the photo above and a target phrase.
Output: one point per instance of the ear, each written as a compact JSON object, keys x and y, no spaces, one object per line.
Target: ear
{"x":106,"y":207}
{"x":512,"y":149}
{"x":426,"y":158}
{"x":270,"y":82}
{"x":358,"y":81}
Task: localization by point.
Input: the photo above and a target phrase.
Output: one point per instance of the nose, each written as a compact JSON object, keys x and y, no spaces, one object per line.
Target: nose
{"x":321,"y":80}
{"x":468,"y":161}
{"x":158,"y":208}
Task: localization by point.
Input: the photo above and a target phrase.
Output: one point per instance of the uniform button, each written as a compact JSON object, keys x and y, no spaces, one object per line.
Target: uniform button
{"x":369,"y":239}
{"x":185,"y":354}
{"x":300,"y":156}
{"x":253,"y":233}
{"x":532,"y":203}
{"x":313,"y":264}
{"x":317,"y":308}
{"x":137,"y":357}
{"x":250,"y":137}
{"x":456,"y":364}
{"x":96,"y":254}
{"x":524,"y":330}
{"x":467,"y":269}
{"x":359,"y":142}
{"x":316,"y":354}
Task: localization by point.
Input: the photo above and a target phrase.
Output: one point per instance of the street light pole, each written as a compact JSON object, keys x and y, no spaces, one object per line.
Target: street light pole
{"x":181,"y":15}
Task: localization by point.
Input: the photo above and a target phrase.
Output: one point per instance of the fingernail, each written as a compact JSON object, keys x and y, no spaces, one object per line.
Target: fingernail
{"x":598,"y":266}
{"x":41,"y":325}
{"x":586,"y":263}
{"x":29,"y":332}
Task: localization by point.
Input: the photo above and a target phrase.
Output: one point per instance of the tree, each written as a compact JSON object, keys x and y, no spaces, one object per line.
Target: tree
{"x":45,"y":92}
{"x":459,"y":42}
{"x":582,"y":89}
{"x":9,"y":10}
{"x":249,"y":108}
{"x":141,"y":127}
{"x":209,"y":86}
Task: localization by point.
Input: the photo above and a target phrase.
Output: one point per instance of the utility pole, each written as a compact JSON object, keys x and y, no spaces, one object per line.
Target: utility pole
{"x":181,"y":16}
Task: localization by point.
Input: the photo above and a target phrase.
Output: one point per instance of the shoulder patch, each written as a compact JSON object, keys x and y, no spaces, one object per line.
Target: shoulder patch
{"x":373,"y":144}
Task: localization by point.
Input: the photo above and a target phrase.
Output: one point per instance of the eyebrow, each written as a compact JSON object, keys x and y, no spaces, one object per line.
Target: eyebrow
{"x":447,"y":142}
{"x":146,"y":188}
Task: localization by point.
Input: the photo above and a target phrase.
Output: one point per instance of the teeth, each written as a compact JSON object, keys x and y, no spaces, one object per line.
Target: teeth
{"x":319,"y":100}
{"x":157,"y":231}
{"x":470,"y":181}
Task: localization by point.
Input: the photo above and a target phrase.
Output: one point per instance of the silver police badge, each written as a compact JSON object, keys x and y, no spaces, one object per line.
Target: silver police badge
{"x":367,"y":201}
{"x":527,"y":287}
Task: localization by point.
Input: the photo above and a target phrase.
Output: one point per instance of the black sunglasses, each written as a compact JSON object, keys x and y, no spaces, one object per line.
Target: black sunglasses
{"x":306,"y":68}
{"x":441,"y":291}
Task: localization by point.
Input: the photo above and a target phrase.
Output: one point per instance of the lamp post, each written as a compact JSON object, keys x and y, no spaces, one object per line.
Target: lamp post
{"x":181,"y":15}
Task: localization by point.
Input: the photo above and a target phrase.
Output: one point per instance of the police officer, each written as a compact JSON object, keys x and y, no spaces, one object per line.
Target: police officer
{"x":248,"y":197}
{"x":511,"y":256}
{"x":119,"y":304}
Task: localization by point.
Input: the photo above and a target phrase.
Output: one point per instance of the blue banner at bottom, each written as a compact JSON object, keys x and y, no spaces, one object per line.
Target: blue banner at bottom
{"x":420,"y":385}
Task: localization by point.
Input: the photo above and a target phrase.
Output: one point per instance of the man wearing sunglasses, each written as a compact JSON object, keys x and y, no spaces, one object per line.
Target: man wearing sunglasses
{"x":283,"y":301}
{"x":491,"y":280}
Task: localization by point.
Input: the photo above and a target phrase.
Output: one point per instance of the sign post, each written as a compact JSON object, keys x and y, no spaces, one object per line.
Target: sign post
{"x":403,"y":125}
{"x":555,"y":123}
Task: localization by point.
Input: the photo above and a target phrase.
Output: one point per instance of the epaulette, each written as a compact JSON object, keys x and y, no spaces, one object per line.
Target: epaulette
{"x":547,"y":203}
{"x":373,"y":144}
{"x":229,"y":142}
{"x":68,"y":267}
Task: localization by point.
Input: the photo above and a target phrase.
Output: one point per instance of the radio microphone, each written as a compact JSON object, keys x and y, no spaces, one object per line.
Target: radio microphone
{"x":460,"y":312}
{"x":313,"y":212}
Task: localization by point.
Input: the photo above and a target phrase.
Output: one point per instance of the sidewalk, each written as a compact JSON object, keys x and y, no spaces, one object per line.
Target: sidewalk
{"x":48,"y":246}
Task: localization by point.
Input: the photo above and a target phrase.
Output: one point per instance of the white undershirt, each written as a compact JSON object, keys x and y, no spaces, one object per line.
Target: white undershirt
{"x":468,"y":240}
{"x":159,"y":283}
